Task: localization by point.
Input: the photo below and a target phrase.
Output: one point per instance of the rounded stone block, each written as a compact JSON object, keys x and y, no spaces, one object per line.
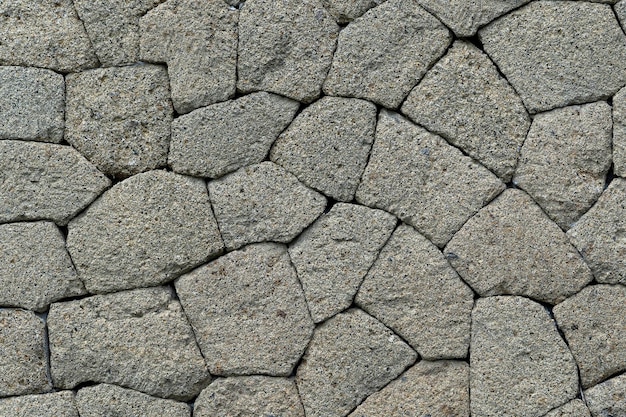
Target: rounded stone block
{"x":56,"y":404}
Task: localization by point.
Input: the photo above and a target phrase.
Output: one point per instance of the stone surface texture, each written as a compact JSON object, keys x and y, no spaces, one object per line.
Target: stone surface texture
{"x":619,"y":130}
{"x":608,"y":398}
{"x":574,"y":408}
{"x":345,"y":11}
{"x":56,"y":404}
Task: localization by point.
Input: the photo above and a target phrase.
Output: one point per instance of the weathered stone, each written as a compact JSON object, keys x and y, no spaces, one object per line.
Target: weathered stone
{"x":248,"y":311}
{"x":464,"y":99}
{"x":198,"y":40}
{"x":608,"y":399}
{"x":144,"y":231}
{"x":345,"y":11}
{"x":423,"y":180}
{"x":619,"y":128}
{"x":56,"y":404}
{"x":328,"y":144}
{"x":574,"y":408}
{"x":351,"y":356}
{"x":334,"y":254}
{"x":216,"y":140}
{"x":512,"y":247}
{"x":139,"y":339}
{"x":285,"y":47}
{"x":45,"y":181}
{"x":263,"y":202}
{"x":519,"y":365}
{"x":550,"y":61}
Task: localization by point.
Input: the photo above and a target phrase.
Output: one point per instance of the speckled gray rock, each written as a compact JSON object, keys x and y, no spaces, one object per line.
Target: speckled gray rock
{"x":620,"y":11}
{"x":145,"y":231}
{"x":345,"y":11}
{"x":218,"y":139}
{"x":423,"y":180}
{"x":574,"y":408}
{"x":56,"y":404}
{"x":464,"y":99}
{"x":248,"y":311}
{"x":119,"y":118}
{"x":263,"y":202}
{"x":619,"y":129}
{"x":413,"y":290}
{"x":384,"y":53}
{"x":328,"y":144}
{"x":139,"y":339}
{"x":608,"y":399}
{"x":550,"y":61}
{"x":351,"y":356}
{"x":519,"y":365}
{"x":45,"y":181}
{"x":285,"y":47}
{"x":198,"y":40}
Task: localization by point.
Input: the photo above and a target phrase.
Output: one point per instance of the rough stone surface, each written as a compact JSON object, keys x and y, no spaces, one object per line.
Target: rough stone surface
{"x":574,"y":408}
{"x":423,"y":180}
{"x":519,"y":365}
{"x":511,"y":247}
{"x":248,"y":311}
{"x":345,"y":11}
{"x":384,"y":53}
{"x":138,"y":339}
{"x":328,"y":144}
{"x":144,"y":231}
{"x":57,"y":404}
{"x":608,"y":399}
{"x":619,"y":129}
{"x":464,"y":99}
{"x":218,"y":139}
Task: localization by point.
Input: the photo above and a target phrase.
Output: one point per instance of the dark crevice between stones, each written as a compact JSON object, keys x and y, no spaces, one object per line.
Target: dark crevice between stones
{"x":474,"y":40}
{"x":330,"y":203}
{"x":610,"y":176}
{"x":43,"y":316}
{"x":87,"y":384}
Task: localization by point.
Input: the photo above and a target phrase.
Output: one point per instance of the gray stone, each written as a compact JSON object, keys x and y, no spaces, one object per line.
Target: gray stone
{"x":423,"y":180}
{"x":145,"y":231}
{"x":574,"y":408}
{"x":328,"y":144}
{"x":285,"y":47}
{"x":218,"y":139}
{"x":138,"y":339}
{"x":351,"y":356}
{"x":550,"y":61}
{"x":345,"y":11}
{"x":56,"y":404}
{"x":620,"y":11}
{"x":263,"y":202}
{"x":619,"y":129}
{"x":464,"y":99}
{"x":512,"y":247}
{"x":248,"y":311}
{"x":45,"y":181}
{"x":198,"y":40}
{"x":334,"y":254}
{"x":413,"y":290}
{"x":519,"y":365}
{"x":608,"y":399}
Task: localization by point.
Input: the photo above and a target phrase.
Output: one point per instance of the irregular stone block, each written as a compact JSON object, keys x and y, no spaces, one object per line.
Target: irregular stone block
{"x":574,"y":408}
{"x":56,"y":404}
{"x":619,"y":128}
{"x":345,"y":11}
{"x":608,"y":398}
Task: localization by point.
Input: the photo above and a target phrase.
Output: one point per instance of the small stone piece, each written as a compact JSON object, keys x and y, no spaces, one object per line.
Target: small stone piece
{"x":619,"y":128}
{"x":423,"y":180}
{"x":216,"y":140}
{"x":345,"y":11}
{"x":263,"y":202}
{"x":519,"y":365}
{"x":248,"y":311}
{"x":56,"y":404}
{"x":608,"y":399}
{"x":139,"y":339}
{"x":285,"y":47}
{"x":351,"y":356}
{"x":574,"y":408}
{"x":328,"y":144}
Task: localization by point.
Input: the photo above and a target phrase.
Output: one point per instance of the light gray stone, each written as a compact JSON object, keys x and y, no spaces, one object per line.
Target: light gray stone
{"x":138,"y":339}
{"x":218,"y":139}
{"x":248,"y":311}
{"x":464,"y":99}
{"x":423,"y":180}
{"x":619,"y":129}
{"x":550,"y":61}
{"x":285,"y":47}
{"x":345,"y":11}
{"x":263,"y":202}
{"x":145,"y":231}
{"x":608,"y":399}
{"x":519,"y":365}
{"x":574,"y":408}
{"x":351,"y":356}
{"x":328,"y":144}
{"x":56,"y":404}
{"x":620,"y":11}
{"x":45,"y":181}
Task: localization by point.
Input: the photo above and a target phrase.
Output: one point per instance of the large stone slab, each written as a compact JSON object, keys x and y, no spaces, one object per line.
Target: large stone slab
{"x":608,"y":398}
{"x":574,"y":408}
{"x":619,"y":129}
{"x":345,"y":11}
{"x":56,"y":404}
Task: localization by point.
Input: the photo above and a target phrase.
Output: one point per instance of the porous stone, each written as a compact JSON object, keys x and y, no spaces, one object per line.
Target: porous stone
{"x":519,"y":365}
{"x":263,"y":202}
{"x":464,"y":99}
{"x":138,"y":339}
{"x":384,"y":53}
{"x":412,"y":289}
{"x":574,"y":408}
{"x":550,"y":61}
{"x":56,"y":404}
{"x":218,"y":139}
{"x":345,"y":11}
{"x":619,"y":128}
{"x":198,"y":41}
{"x":334,"y":254}
{"x":285,"y":47}
{"x":328,"y":144}
{"x":248,"y":311}
{"x":351,"y":356}
{"x":512,"y":247}
{"x":145,"y":231}
{"x":608,"y":399}
{"x":45,"y":181}
{"x":423,"y":180}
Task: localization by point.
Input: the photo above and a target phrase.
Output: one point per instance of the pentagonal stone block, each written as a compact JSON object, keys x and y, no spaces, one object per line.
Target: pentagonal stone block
{"x":56,"y":404}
